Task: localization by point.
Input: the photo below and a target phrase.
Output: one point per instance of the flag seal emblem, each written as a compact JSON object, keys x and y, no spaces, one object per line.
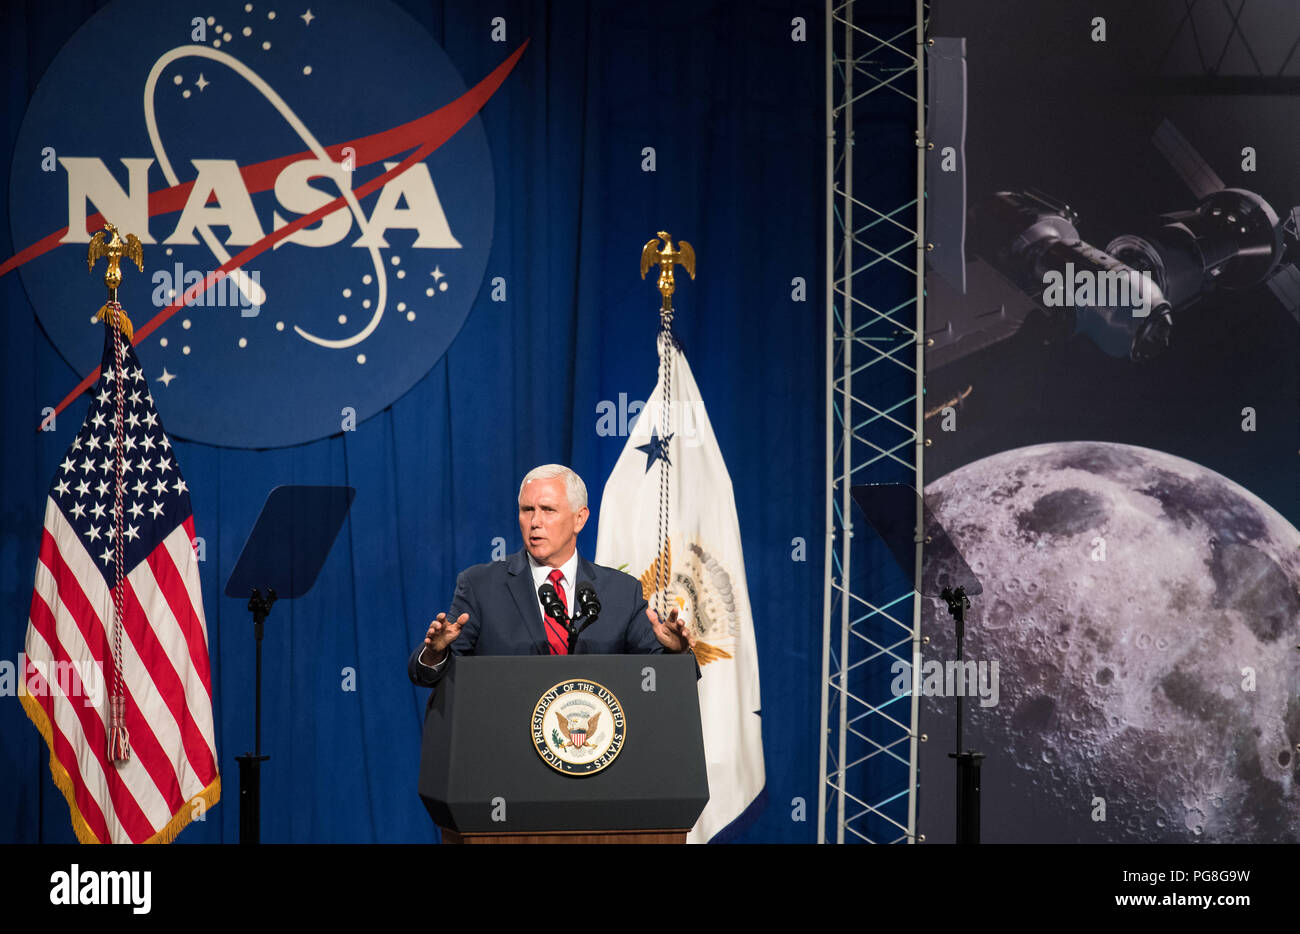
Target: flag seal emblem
{"x":578,"y":727}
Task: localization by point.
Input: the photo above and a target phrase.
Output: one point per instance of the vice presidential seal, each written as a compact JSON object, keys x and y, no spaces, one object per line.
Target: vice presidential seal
{"x":578,"y":727}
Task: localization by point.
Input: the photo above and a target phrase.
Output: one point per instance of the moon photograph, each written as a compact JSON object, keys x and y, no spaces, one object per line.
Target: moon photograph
{"x":1145,"y":613}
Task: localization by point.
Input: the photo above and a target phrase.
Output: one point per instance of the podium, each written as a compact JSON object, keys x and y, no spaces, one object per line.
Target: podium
{"x":516,"y":749}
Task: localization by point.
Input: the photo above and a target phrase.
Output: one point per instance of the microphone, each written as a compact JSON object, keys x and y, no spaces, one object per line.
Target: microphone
{"x":588,"y":609}
{"x":588,"y":605}
{"x":552,"y":605}
{"x":554,"y":608}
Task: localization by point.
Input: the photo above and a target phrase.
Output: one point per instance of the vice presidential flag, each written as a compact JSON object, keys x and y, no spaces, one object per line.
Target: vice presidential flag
{"x":668,"y":516}
{"x":72,"y":676}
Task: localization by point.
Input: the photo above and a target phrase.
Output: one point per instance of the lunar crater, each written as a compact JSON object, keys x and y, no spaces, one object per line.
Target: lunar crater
{"x":1064,"y":513}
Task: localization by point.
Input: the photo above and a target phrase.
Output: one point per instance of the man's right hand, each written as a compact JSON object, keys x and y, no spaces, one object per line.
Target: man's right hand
{"x":442,"y":633}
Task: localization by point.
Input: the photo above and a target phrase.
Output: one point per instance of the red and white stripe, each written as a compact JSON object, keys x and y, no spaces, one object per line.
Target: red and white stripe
{"x":166,"y":678}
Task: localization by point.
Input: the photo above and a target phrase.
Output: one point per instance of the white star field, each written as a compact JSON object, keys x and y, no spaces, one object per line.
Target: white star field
{"x":252,"y":36}
{"x":155,"y":498}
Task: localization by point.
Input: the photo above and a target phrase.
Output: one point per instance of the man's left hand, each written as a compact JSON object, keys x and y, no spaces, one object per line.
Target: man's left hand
{"x":673,"y":633}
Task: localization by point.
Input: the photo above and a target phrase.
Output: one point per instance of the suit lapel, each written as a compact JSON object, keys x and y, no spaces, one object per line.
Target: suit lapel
{"x":585,"y":572}
{"x":521,"y":589}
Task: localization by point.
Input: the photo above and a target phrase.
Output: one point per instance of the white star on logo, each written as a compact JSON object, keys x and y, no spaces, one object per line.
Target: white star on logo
{"x":156,"y":509}
{"x":166,"y":378}
{"x":307,"y":17}
{"x":437,"y":273}
{"x":201,"y":83}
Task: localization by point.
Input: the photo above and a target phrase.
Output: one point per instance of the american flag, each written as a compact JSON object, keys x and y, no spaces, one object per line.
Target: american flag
{"x":170,"y":776}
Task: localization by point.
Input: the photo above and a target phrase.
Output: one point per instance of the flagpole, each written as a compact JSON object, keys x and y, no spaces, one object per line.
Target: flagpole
{"x":666,"y":258}
{"x":114,"y":249}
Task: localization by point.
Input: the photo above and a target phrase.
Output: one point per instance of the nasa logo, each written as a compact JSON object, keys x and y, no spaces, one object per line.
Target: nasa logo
{"x":331,"y":163}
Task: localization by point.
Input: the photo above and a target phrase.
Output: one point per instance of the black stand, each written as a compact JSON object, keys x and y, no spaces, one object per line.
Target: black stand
{"x":250,"y":763}
{"x":892,"y":510}
{"x":285,"y":552}
{"x":968,"y":761}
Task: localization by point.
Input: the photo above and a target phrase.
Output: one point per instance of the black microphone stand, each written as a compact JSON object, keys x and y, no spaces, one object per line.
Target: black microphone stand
{"x":588,"y":610}
{"x":553,"y":608}
{"x":250,"y":763}
{"x":968,"y":761}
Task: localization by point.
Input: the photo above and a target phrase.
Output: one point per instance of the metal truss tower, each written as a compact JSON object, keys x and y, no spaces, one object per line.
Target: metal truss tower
{"x":875,"y":217}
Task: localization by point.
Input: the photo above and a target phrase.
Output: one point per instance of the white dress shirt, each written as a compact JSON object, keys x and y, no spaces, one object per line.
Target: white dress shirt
{"x":569,"y":569}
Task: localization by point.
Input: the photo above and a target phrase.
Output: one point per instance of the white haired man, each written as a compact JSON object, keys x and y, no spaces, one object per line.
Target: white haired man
{"x":496,"y":610}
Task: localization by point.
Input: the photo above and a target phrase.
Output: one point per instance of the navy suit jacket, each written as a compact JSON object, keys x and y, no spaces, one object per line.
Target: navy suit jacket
{"x":505,"y":616}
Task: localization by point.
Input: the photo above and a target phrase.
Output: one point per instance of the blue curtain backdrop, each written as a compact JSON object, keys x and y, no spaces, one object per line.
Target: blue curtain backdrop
{"x":734,"y":109}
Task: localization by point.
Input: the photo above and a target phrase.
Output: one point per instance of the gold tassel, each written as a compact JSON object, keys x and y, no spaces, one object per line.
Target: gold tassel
{"x":119,"y":316}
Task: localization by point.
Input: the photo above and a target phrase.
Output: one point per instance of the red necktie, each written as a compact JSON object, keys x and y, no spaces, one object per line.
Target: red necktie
{"x":556,"y":634}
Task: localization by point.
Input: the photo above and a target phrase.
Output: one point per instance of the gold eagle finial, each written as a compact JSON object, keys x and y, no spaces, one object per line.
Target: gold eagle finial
{"x":667,"y":258}
{"x":114,"y":248}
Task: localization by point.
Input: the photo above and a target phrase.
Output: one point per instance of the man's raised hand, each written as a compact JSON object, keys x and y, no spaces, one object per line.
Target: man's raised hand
{"x":673,"y":634}
{"x":442,"y":633}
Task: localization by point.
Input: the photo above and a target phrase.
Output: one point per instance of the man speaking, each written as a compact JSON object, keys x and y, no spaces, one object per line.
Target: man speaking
{"x":523,"y":605}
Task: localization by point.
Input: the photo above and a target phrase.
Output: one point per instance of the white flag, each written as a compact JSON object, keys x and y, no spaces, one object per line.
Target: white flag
{"x":702,"y":574}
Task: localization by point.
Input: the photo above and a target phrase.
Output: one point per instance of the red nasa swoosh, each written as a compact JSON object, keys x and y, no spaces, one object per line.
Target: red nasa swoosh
{"x":427,"y":133}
